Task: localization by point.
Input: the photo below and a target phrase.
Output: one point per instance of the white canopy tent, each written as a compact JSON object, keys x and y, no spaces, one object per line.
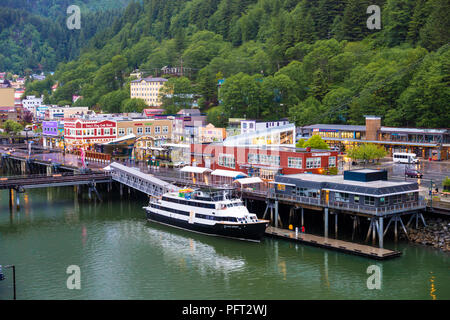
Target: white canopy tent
{"x":195,"y":169}
{"x":130,"y":136}
{"x":228,"y":173}
{"x":250,"y":180}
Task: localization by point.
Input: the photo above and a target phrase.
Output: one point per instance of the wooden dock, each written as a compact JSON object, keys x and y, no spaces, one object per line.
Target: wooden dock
{"x":333,"y":244}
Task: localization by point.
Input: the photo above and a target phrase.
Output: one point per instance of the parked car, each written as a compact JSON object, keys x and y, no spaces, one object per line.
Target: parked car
{"x":413,"y":173}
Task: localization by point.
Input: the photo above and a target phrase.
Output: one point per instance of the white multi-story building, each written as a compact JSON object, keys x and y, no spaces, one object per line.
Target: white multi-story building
{"x":56,"y":112}
{"x":248,"y":126}
{"x":32,"y":102}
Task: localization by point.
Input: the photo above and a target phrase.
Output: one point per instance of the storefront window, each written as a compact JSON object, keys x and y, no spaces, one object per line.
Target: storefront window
{"x":295,"y":163}
{"x":312,"y":163}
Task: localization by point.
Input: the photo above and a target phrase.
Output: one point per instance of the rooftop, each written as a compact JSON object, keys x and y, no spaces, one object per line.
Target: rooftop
{"x":337,"y":183}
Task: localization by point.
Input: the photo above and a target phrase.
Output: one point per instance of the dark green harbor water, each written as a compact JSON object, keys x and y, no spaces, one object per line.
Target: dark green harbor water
{"x":121,"y":256}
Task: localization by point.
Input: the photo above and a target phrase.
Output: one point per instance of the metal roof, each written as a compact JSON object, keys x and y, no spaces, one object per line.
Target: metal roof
{"x":336,"y":127}
{"x":337,"y":183}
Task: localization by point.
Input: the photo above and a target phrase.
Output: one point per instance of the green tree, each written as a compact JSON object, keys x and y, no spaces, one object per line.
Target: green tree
{"x":367,"y":152}
{"x":12,"y":127}
{"x":316,"y":142}
{"x":133,"y":105}
{"x":300,"y":143}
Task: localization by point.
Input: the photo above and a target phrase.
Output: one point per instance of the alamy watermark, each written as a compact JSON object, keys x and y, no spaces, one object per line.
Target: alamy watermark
{"x":73,"y":21}
{"x":74,"y":280}
{"x":374,"y":280}
{"x":374,"y":21}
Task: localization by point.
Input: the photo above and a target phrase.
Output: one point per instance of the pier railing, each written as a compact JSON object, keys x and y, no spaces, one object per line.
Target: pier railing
{"x":384,"y":210}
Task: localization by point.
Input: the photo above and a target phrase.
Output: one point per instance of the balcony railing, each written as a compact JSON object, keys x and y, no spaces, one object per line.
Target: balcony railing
{"x":384,"y":210}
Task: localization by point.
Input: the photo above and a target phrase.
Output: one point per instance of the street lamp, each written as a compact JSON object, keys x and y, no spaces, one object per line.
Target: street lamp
{"x":2,"y":277}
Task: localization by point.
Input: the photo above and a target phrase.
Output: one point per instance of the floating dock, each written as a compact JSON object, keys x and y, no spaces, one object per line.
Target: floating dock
{"x":333,"y":244}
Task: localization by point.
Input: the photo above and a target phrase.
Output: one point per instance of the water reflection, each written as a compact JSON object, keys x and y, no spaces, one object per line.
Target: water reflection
{"x":192,"y":253}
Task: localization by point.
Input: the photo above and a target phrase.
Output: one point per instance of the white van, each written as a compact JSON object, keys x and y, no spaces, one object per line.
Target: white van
{"x":403,"y":157}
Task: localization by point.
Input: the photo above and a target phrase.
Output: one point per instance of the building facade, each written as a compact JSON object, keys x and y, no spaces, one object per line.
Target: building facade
{"x":248,"y":126}
{"x":265,"y":163}
{"x":53,"y":134}
{"x":365,"y":190}
{"x":425,"y":143}
{"x":158,"y":130}
{"x":147,"y":89}
{"x":210,"y":134}
{"x":86,"y":133}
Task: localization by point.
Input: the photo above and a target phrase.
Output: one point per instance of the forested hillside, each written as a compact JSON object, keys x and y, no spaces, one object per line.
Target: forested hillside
{"x":310,"y":60}
{"x":34,"y":36}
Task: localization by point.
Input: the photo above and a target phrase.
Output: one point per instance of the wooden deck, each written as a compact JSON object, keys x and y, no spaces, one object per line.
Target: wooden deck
{"x":333,"y":244}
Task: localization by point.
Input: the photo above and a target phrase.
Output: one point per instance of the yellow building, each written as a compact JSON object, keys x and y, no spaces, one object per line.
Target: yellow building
{"x":147,"y":89}
{"x":159,"y":130}
{"x":7,"y":97}
{"x":210,"y":134}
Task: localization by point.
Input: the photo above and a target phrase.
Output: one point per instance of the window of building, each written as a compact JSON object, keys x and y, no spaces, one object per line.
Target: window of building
{"x":356,"y":199}
{"x":312,"y":163}
{"x":369,"y":201}
{"x":157,"y":130}
{"x":295,"y":163}
{"x":397,"y":199}
{"x":129,"y":130}
{"x":227,"y":160}
{"x":410,"y":196}
{"x":121,"y":131}
{"x":332,"y":162}
{"x":148,"y":130}
{"x":140,"y":130}
{"x":165,"y":129}
{"x":341,"y":197}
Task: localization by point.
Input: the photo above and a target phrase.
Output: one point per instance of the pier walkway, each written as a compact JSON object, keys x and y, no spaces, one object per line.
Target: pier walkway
{"x":333,"y":244}
{"x":54,"y":180}
{"x":138,"y":180}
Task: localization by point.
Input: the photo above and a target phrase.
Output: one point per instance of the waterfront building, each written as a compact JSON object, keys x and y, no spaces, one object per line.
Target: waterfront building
{"x":274,"y":136}
{"x":210,"y":134}
{"x":261,"y":162}
{"x":147,"y":89}
{"x":248,"y":126}
{"x":31,"y":103}
{"x":86,"y":133}
{"x":159,"y":131}
{"x":53,"y":134}
{"x":425,"y":143}
{"x":56,"y":112}
{"x":365,"y":190}
{"x":186,"y":124}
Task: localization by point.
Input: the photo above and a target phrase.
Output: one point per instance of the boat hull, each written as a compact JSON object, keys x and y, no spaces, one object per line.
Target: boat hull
{"x":247,"y":231}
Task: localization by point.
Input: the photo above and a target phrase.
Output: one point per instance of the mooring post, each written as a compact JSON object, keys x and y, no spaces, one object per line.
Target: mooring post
{"x":380,"y":232}
{"x":303,"y":221}
{"x":326,"y":222}
{"x":17,"y":200}
{"x":11,"y":201}
{"x":276,"y":214}
{"x":336,"y":224}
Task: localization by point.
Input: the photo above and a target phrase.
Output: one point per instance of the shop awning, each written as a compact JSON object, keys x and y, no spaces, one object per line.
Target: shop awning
{"x":248,"y":180}
{"x":228,"y":173}
{"x":195,"y":169}
{"x":124,"y":138}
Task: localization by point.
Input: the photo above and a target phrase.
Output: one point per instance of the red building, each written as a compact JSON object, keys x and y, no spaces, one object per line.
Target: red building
{"x":86,"y":133}
{"x":263,"y":162}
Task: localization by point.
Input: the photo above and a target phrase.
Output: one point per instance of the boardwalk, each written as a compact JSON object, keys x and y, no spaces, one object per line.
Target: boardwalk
{"x":333,"y":244}
{"x":54,"y":180}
